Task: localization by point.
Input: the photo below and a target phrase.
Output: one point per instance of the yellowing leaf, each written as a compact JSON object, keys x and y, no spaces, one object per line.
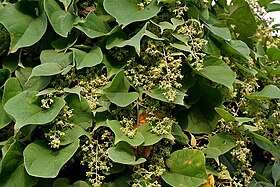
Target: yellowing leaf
{"x":210,"y":182}
{"x":193,"y":141}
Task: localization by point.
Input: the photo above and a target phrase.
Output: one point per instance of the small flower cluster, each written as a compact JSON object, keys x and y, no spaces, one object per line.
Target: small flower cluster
{"x":193,"y":31}
{"x":46,"y":103}
{"x":150,"y":176}
{"x":91,"y":81}
{"x":95,"y":156}
{"x":158,"y":68}
{"x":143,"y":4}
{"x":59,"y":124}
{"x":54,"y":136}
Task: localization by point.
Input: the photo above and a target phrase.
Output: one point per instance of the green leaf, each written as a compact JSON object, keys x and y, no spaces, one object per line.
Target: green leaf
{"x":63,"y":44}
{"x":225,"y":114}
{"x":239,"y":47}
{"x":11,"y":158}
{"x":127,"y":11}
{"x":112,"y":66}
{"x":219,"y":144}
{"x":4,"y":118}
{"x":118,"y":84}
{"x":25,"y":109}
{"x":152,"y":138}
{"x":72,"y":134}
{"x":168,"y":26}
{"x":41,"y":161}
{"x":158,"y":94}
{"x":51,"y":56}
{"x":117,"y":39}
{"x":66,"y":3}
{"x":19,"y":178}
{"x":46,"y":69}
{"x":182,"y":47}
{"x":90,"y":59}
{"x":24,"y":29}
{"x":222,"y":32}
{"x":115,"y":126}
{"x":32,"y":84}
{"x":122,"y":99}
{"x":201,"y":117}
{"x":187,"y":168}
{"x":4,"y":75}
{"x":265,"y":2}
{"x":179,"y":135}
{"x":273,"y":54}
{"x":74,"y":90}
{"x":123,"y":154}
{"x":272,"y":7}
{"x":12,"y":87}
{"x":276,"y":172}
{"x":268,"y":92}
{"x":220,"y":74}
{"x":11,"y":62}
{"x":93,"y":26}
{"x":266,"y":144}
{"x":211,"y":48}
{"x":82,"y":113}
{"x":243,"y":17}
{"x":63,"y":182}
{"x":60,"y":20}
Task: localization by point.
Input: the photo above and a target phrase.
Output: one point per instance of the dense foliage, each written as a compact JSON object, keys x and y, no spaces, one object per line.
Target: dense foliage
{"x":139,"y":93}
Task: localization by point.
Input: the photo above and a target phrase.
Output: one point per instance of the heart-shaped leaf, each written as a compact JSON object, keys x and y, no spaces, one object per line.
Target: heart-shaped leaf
{"x":12,"y":87}
{"x":46,"y":69}
{"x":63,"y":59}
{"x":24,"y":29}
{"x":123,"y":154}
{"x":41,"y":161}
{"x":26,"y":109}
{"x":187,"y":168}
{"x":127,"y":11}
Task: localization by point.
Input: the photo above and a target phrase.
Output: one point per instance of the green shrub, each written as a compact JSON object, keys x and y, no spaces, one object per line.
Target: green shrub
{"x":139,"y":93}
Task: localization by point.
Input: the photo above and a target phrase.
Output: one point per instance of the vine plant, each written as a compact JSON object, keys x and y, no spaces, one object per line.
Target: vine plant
{"x":139,"y":93}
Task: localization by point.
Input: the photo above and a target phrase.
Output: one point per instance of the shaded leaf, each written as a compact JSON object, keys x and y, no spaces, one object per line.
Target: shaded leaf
{"x":187,"y":168}
{"x":272,"y":7}
{"x":128,"y":11}
{"x":26,"y":109}
{"x":225,"y":114}
{"x":62,"y":44}
{"x":81,"y":110}
{"x":41,"y":161}
{"x":24,"y":29}
{"x":115,"y":126}
{"x":4,"y":75}
{"x":123,"y":154}
{"x":63,"y":182}
{"x":4,"y":118}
